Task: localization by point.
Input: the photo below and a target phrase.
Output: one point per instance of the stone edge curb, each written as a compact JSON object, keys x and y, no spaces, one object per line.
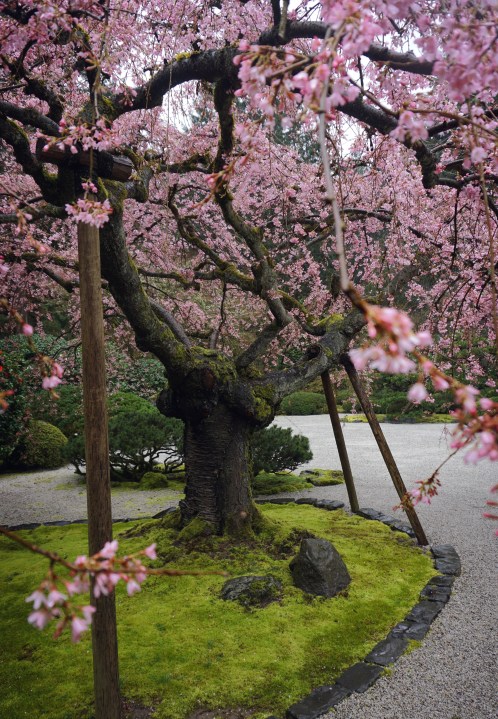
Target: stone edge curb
{"x":362,"y":675}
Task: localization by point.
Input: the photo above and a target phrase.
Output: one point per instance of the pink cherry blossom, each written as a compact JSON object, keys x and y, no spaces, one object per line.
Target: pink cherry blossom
{"x":417,"y":393}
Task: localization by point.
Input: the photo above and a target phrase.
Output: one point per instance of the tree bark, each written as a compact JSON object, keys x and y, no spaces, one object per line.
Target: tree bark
{"x":104,"y":633}
{"x":218,"y":472}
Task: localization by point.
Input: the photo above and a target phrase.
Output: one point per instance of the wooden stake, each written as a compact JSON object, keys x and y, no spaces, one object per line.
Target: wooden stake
{"x":104,"y":634}
{"x":383,"y":446}
{"x":339,"y":440}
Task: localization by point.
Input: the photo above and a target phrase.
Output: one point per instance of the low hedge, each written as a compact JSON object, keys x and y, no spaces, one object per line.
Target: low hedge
{"x":303,"y":403}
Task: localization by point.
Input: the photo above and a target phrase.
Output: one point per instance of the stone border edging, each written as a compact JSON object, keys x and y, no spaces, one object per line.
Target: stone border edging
{"x":362,"y":675}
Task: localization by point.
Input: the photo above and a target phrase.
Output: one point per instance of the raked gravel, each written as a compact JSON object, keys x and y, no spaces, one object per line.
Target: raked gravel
{"x":454,"y":674}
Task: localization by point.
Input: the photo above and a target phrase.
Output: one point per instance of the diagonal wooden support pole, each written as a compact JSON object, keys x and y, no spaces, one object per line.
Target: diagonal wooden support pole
{"x":383,"y":446}
{"x":339,"y":440}
{"x":104,"y":634}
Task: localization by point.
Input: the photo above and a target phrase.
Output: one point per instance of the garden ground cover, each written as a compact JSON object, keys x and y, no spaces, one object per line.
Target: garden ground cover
{"x":182,"y":648}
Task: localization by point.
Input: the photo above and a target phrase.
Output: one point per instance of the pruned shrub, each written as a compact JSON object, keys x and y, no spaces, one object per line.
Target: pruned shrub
{"x":154,"y":480}
{"x":302,"y":403}
{"x":138,"y":436}
{"x":41,"y":446}
{"x":276,"y":449}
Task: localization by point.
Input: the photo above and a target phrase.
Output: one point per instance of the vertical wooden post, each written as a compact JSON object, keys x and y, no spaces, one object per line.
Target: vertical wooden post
{"x":339,"y":439}
{"x":104,"y":634}
{"x":383,"y":446}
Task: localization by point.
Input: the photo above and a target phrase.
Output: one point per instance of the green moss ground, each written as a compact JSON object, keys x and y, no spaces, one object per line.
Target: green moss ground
{"x":182,"y":648}
{"x":406,"y":419}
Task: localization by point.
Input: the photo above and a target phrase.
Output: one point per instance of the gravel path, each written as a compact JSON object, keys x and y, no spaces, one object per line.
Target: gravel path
{"x":453,"y":675}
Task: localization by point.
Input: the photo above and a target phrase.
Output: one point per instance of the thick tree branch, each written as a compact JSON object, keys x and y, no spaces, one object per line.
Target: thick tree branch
{"x":172,"y":323}
{"x":19,"y":142}
{"x":259,"y":346}
{"x":151,"y":334}
{"x":30,"y":116}
{"x":319,"y":358}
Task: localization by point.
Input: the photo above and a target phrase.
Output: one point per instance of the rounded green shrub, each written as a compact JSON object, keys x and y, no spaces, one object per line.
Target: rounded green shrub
{"x":154,"y":480}
{"x":42,"y":446}
{"x":276,"y":449}
{"x":303,"y":403}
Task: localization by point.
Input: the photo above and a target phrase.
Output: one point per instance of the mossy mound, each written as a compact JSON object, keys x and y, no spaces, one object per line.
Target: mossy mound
{"x":274,"y":483}
{"x":154,"y":480}
{"x":182,"y":647}
{"x":323,"y":477}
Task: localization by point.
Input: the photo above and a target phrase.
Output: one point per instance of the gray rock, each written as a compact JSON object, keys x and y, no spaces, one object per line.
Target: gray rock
{"x":435,"y":593}
{"x":318,"y":702}
{"x":309,"y":473}
{"x":425,"y":611}
{"x":360,"y":677}
{"x":307,"y":500}
{"x":449,"y":565}
{"x":442,"y":580}
{"x":252,"y":591}
{"x":375,"y":515}
{"x":329,"y":504}
{"x":387,"y":651}
{"x":164,"y":512}
{"x":319,"y":568}
{"x":444,"y":550}
{"x":410,"y":630}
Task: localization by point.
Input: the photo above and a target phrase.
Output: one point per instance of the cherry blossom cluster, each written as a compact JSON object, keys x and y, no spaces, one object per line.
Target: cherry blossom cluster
{"x":394,"y":330}
{"x":53,"y":600}
{"x":90,"y":212}
{"x":47,"y":18}
{"x":271,"y":78}
{"x":99,"y":136}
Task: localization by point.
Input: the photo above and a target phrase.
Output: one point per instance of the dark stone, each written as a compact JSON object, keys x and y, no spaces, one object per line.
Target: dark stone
{"x":360,"y":677}
{"x":410,"y":630}
{"x":375,"y":515}
{"x":444,"y":550}
{"x":58,"y":523}
{"x":329,"y":504}
{"x":164,"y":512}
{"x":369,"y":513}
{"x":449,"y":565}
{"x":309,"y":473}
{"x":318,"y":702}
{"x":18,"y":527}
{"x":387,"y":651}
{"x":252,"y":591}
{"x":307,"y":500}
{"x":442,"y":580}
{"x":319,"y":568}
{"x":399,"y":526}
{"x":434,"y":593}
{"x":425,"y":612}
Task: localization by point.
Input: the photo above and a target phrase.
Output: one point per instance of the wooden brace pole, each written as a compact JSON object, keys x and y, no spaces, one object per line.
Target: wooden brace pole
{"x":104,"y":634}
{"x":383,"y":446}
{"x":339,"y":439}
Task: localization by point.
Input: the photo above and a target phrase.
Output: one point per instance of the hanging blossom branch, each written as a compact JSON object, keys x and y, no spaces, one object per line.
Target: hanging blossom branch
{"x":271,"y":78}
{"x":53,"y":600}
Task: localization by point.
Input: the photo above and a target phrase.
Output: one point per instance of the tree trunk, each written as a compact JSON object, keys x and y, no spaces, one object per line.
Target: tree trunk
{"x":218,"y":472}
